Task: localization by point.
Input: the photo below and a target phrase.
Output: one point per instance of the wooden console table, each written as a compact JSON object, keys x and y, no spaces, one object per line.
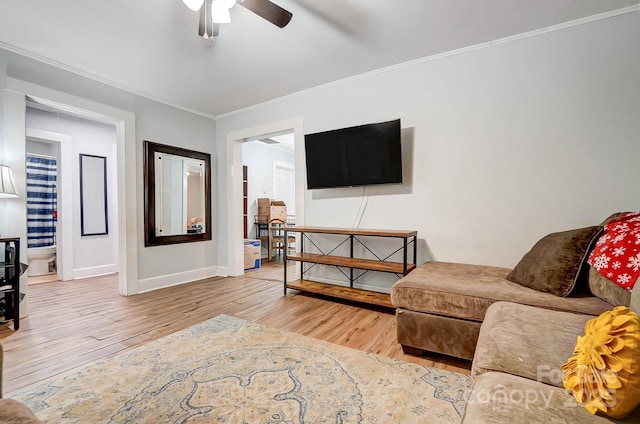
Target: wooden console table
{"x":350,"y":262}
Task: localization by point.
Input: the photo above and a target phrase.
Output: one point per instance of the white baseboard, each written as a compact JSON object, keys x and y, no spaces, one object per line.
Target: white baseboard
{"x":155,"y":283}
{"x":94,"y":271}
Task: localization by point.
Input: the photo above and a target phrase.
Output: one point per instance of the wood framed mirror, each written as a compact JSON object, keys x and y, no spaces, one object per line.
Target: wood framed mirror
{"x":177,"y":195}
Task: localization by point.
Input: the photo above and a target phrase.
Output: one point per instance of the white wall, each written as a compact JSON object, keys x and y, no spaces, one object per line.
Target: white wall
{"x":510,"y":141}
{"x":259,"y":157}
{"x":157,"y":266}
{"x":41,"y":148}
{"x":92,"y":255}
{"x":15,"y":220}
{"x":173,"y":264}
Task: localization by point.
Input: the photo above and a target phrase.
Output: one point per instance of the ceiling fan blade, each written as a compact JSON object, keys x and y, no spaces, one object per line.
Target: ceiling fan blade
{"x":269,"y":11}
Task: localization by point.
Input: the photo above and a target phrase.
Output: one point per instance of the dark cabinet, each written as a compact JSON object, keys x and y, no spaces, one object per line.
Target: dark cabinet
{"x":10,"y":281}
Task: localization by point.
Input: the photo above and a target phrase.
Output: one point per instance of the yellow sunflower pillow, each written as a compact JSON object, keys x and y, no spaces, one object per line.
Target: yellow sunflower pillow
{"x":604,"y":372}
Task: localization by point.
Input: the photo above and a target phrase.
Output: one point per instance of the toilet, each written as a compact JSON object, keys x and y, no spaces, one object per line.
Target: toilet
{"x":41,"y":260}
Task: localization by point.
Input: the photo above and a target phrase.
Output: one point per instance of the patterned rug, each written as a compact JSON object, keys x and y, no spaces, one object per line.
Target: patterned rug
{"x":227,"y":370}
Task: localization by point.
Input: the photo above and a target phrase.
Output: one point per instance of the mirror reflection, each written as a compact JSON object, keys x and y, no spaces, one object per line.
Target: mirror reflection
{"x":177,"y":195}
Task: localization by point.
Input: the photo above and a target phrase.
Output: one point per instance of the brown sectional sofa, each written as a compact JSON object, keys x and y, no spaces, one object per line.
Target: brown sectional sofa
{"x":517,"y":337}
{"x":440,"y":306}
{"x":516,"y":369}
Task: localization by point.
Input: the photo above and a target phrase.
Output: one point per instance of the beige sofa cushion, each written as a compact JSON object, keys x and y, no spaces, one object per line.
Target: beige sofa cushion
{"x":504,"y":398}
{"x":527,"y":341}
{"x":466,"y":291}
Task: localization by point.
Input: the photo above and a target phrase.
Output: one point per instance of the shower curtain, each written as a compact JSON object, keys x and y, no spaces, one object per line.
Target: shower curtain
{"x":41,"y":201}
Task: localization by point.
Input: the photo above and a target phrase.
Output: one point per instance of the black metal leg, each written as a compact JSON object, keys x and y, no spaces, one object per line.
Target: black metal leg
{"x":284,"y":255}
{"x":16,"y":309}
{"x":404,"y":256}
{"x":415,"y":250}
{"x":351,"y":255}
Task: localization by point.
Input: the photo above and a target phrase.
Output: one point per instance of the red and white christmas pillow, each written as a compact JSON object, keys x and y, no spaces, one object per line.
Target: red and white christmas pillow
{"x":617,"y":251}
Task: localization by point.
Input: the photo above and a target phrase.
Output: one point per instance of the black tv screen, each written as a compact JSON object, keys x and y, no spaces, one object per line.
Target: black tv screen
{"x":355,"y":156}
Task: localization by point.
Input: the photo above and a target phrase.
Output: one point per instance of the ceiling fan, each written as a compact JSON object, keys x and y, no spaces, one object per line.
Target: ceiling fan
{"x":216,"y":12}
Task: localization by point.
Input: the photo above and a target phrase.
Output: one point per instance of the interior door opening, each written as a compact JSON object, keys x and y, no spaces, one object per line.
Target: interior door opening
{"x":236,"y":142}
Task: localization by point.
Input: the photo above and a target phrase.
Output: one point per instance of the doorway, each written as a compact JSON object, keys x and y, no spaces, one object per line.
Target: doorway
{"x":270,"y":174}
{"x":235,"y":141}
{"x":43,"y":197}
{"x":56,"y":245}
{"x":16,"y":95}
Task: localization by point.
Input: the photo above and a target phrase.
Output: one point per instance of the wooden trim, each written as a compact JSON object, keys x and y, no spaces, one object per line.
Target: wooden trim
{"x":353,"y":231}
{"x":358,"y":263}
{"x":346,"y":293}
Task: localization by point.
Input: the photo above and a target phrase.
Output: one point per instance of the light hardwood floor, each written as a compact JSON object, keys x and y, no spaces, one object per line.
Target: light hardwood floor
{"x":73,"y":323}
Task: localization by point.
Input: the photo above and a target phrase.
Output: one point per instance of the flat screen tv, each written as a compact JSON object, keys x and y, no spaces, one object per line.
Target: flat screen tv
{"x":355,"y":156}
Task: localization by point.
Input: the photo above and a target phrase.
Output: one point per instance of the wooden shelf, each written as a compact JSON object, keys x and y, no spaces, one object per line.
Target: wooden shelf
{"x":353,"y":231}
{"x":378,"y":264}
{"x":344,"y":261}
{"x":345,"y":293}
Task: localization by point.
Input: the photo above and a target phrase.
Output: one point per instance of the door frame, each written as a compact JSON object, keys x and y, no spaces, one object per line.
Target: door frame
{"x":64,"y":248}
{"x":235,"y":249}
{"x":16,"y":93}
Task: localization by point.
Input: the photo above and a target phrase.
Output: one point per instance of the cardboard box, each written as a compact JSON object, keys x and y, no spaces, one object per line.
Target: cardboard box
{"x":251,"y":254}
{"x":263,"y":210}
{"x":269,"y":209}
{"x":278,"y":210}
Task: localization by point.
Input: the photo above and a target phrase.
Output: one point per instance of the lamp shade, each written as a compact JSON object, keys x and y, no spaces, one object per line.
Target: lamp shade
{"x":194,"y":5}
{"x":7,"y":185}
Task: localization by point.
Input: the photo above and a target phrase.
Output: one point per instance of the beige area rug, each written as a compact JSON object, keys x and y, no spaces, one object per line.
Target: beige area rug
{"x":227,"y":370}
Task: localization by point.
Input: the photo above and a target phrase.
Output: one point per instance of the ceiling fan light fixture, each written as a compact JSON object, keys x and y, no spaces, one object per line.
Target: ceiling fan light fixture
{"x":216,"y":12}
{"x":194,"y":5}
{"x":228,"y":4}
{"x":220,"y":14}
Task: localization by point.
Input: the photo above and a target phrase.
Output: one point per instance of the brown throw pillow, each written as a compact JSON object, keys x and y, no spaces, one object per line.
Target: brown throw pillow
{"x":554,"y":263}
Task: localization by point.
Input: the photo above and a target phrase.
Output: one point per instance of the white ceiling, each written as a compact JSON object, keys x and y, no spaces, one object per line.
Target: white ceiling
{"x":152,"y":47}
